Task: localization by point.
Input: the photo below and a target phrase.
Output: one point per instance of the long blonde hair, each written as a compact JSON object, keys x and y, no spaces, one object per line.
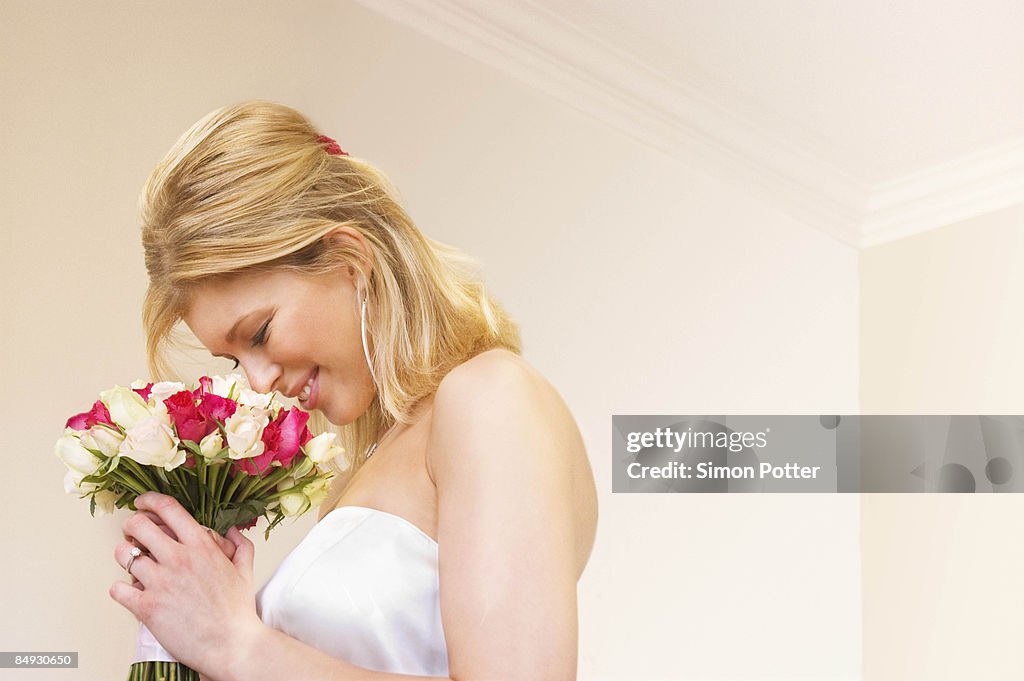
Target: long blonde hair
{"x":250,"y":188}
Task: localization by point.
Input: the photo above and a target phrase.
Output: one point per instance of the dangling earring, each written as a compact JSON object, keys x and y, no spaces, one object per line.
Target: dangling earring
{"x":362,"y":331}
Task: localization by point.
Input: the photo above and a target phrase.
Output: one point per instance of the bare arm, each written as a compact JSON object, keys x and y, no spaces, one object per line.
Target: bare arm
{"x":499,"y":452}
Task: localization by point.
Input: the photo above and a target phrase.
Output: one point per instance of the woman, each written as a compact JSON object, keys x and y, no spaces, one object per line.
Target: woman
{"x":452,"y":545}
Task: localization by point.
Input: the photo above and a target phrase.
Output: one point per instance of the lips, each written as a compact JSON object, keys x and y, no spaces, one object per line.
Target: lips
{"x":314,"y":392}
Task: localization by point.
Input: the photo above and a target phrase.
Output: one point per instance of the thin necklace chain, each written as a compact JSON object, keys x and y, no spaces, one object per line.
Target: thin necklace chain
{"x":372,"y":448}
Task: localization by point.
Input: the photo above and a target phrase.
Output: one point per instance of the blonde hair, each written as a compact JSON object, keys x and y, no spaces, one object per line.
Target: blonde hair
{"x":250,"y":188}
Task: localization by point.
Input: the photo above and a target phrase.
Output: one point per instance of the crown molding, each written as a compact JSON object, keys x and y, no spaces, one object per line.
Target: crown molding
{"x":529,"y":42}
{"x":945,"y":193}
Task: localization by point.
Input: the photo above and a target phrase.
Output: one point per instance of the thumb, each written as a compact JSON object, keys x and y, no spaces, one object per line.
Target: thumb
{"x":245,"y":551}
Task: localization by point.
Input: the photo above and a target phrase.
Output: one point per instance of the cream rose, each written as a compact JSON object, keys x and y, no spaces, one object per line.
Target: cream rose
{"x":126,"y":406}
{"x":303,"y":468}
{"x":316,"y":491}
{"x":294,"y":503}
{"x":211,"y":444}
{"x":251,"y":398}
{"x":77,"y":458}
{"x":151,"y":441}
{"x":104,"y":498}
{"x":322,"y":448}
{"x":222,"y":385}
{"x":103,"y":439}
{"x":244,"y":429}
{"x":162,"y":390}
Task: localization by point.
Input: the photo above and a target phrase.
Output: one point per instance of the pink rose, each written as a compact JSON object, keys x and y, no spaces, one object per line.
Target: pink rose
{"x":282,"y":439}
{"x":144,"y":392}
{"x":88,"y":419}
{"x":217,"y":407}
{"x":205,"y":386}
{"x":189,"y":422}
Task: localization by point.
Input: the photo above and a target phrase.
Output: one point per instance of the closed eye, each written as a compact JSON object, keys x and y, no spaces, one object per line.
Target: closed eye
{"x":259,"y":339}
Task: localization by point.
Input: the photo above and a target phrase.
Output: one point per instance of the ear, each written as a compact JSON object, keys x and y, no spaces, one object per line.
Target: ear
{"x":350,"y":239}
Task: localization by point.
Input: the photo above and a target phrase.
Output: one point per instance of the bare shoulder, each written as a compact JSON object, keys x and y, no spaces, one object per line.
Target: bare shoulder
{"x":497,"y":383}
{"x":497,"y":423}
{"x":491,"y":371}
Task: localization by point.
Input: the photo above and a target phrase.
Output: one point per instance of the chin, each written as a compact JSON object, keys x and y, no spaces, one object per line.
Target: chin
{"x":347,"y":414}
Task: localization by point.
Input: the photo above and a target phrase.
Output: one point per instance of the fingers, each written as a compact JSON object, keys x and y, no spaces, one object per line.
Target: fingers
{"x":174,"y":515}
{"x":245,"y":551}
{"x":128,"y":596}
{"x":156,"y":521}
{"x":142,"y":566}
{"x":144,"y":533}
{"x":226,"y":546}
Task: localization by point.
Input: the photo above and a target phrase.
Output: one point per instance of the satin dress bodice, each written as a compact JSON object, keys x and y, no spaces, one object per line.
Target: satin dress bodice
{"x":362,"y":586}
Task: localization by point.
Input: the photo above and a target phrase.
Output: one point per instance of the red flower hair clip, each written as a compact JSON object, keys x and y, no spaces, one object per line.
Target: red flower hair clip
{"x":331,"y":147}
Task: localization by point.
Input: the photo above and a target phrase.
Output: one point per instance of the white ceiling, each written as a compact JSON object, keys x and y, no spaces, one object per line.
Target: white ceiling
{"x":870,"y":120}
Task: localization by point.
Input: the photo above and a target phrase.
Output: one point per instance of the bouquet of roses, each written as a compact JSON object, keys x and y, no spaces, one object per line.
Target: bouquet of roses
{"x":228,"y":454}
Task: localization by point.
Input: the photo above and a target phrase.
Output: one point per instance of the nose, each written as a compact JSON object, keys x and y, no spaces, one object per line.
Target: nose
{"x":262,"y":374}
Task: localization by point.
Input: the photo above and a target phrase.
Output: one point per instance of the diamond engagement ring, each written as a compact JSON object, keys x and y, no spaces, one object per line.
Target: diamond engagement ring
{"x":135,"y":553}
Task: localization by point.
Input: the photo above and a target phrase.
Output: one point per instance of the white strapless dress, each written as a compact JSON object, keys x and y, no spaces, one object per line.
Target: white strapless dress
{"x":362,"y":586}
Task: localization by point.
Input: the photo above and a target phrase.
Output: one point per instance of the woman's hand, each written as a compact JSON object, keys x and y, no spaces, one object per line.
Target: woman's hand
{"x":196,"y":601}
{"x":225,"y":544}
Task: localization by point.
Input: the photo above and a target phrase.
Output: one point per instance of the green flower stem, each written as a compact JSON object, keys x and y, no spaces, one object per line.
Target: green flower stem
{"x":213,"y":483}
{"x":233,"y":487}
{"x":249,"y":486}
{"x":126,"y":480}
{"x":140,"y":473}
{"x":176,"y":476}
{"x":271,"y":481}
{"x":161,"y":671}
{"x":201,"y":472}
{"x":218,"y":489}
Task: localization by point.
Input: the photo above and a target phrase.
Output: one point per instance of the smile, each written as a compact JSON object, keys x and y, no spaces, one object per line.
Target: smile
{"x":311,"y":391}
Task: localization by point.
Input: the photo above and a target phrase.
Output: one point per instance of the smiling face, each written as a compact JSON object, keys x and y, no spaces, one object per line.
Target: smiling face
{"x":288,"y":327}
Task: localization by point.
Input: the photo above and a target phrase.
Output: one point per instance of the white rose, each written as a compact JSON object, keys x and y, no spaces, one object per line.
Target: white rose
{"x":322,"y":448}
{"x":316,"y":491}
{"x":294,"y":503}
{"x":162,"y":390}
{"x":103,"y":438}
{"x":303,"y":468}
{"x":222,"y":385}
{"x":105,"y":499}
{"x":244,"y":429}
{"x":251,"y":398}
{"x":126,"y":406}
{"x":211,"y":444}
{"x":285,"y":483}
{"x":73,"y":482}
{"x":69,"y":449}
{"x":152,"y":442}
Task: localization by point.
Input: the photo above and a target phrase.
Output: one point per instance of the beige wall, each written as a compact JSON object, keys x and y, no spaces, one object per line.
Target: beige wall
{"x":642,"y":287}
{"x":942,"y":332}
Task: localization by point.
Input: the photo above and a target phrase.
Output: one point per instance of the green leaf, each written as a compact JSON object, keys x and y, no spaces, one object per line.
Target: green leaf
{"x":192,"y":447}
{"x":237,"y":514}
